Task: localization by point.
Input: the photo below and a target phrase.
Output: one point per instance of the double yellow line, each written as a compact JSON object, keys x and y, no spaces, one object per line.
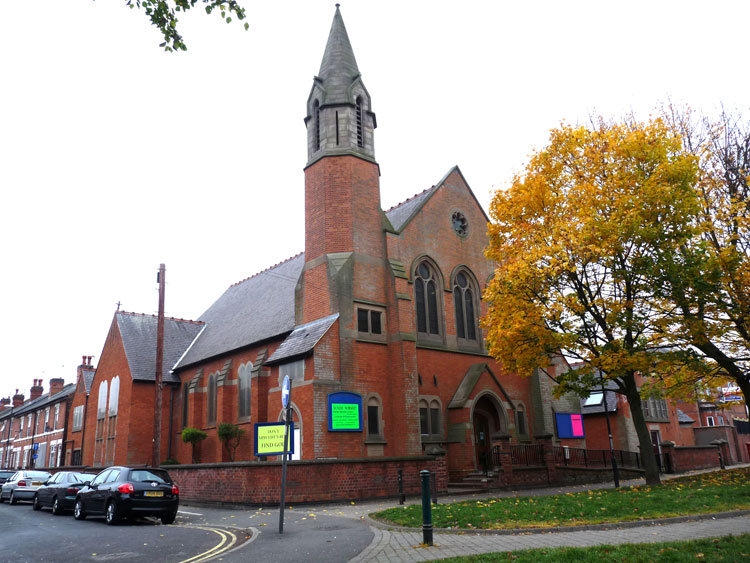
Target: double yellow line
{"x":228,"y":539}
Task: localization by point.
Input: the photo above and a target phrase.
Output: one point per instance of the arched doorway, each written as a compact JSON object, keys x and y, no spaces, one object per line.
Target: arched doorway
{"x":488,"y":420}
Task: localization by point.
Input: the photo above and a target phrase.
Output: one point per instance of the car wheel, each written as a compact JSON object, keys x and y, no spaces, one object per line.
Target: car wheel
{"x":56,"y":508}
{"x":168,"y":518}
{"x":111,"y":514}
{"x":78,"y":512}
{"x":13,"y":497}
{"x":35,"y":503}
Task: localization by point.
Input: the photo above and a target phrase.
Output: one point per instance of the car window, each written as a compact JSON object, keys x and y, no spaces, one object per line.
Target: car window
{"x":99,"y":479}
{"x":113,"y":476}
{"x":55,"y":478}
{"x":150,"y":475}
{"x":38,"y":475}
{"x":81,"y":477}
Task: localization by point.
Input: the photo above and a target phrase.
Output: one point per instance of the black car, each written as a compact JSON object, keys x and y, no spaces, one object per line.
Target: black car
{"x":60,"y":491}
{"x":125,"y":492}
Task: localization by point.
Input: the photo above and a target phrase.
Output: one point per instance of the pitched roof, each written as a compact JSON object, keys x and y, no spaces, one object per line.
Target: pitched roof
{"x":338,"y":69}
{"x":40,"y":402}
{"x":682,"y":418}
{"x":302,"y":339}
{"x":138,"y":334}
{"x":401,"y":214}
{"x":256,"y":309}
{"x":611,"y":387}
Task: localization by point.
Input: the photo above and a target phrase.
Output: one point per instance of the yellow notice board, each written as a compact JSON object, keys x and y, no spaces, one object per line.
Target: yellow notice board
{"x":269,"y":438}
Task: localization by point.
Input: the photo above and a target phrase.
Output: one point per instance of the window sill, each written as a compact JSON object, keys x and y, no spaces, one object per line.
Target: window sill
{"x":432,"y":439}
{"x":370,"y":339}
{"x":375,"y":440}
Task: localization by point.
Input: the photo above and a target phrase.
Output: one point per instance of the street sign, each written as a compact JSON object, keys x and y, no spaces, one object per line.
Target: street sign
{"x":285,"y":392}
{"x":35,"y":446}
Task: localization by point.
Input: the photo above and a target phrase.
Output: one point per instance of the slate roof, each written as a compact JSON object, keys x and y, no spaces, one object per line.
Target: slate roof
{"x":611,"y":400}
{"x":138,"y":334}
{"x":256,"y":309}
{"x":401,"y":214}
{"x":40,"y":402}
{"x":338,"y":69}
{"x":682,"y":418}
{"x":302,"y":339}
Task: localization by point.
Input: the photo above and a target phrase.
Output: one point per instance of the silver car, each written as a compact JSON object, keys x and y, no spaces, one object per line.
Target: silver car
{"x":23,"y":485}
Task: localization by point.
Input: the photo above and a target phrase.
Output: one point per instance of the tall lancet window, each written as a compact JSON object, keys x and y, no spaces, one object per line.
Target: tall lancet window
{"x":360,"y":130}
{"x":425,"y":289}
{"x":463,"y":300}
{"x":316,"y":114}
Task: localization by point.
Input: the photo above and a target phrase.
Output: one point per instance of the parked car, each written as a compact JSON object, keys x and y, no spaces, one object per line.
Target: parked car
{"x":125,"y":492}
{"x":22,"y":485}
{"x":61,"y":490}
{"x":5,"y":475}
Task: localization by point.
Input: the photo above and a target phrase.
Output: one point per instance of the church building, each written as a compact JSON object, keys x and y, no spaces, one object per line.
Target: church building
{"x":381,"y":311}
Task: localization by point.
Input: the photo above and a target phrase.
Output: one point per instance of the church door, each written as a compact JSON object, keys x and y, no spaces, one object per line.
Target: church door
{"x":482,"y":442}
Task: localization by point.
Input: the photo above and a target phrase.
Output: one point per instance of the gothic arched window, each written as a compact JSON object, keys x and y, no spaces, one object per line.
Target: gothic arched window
{"x":360,"y":129}
{"x":425,"y":293}
{"x":243,"y":375}
{"x":211,"y":414}
{"x":463,"y":301}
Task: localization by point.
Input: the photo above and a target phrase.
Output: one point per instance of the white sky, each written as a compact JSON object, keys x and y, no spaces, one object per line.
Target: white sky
{"x":116,"y":156}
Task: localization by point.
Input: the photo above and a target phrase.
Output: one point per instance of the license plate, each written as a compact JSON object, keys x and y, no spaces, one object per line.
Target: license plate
{"x":36,"y":483}
{"x":154,"y":493}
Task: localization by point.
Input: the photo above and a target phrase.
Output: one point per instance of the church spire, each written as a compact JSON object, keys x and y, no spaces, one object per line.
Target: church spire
{"x":339,"y":113}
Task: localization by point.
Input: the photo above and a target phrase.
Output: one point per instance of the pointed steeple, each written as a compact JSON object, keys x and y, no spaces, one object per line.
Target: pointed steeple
{"x":339,"y":118}
{"x":338,"y":69}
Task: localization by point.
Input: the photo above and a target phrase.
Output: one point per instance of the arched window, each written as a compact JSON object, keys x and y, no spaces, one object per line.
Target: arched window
{"x":211,"y":414}
{"x":185,"y":404}
{"x":425,"y":291}
{"x":429,"y":417}
{"x":101,"y":406}
{"x":374,"y":417}
{"x":463,"y":301}
{"x":243,"y":375}
{"x":316,"y":125}
{"x":114,"y":396}
{"x":360,"y":130}
{"x":522,"y":428}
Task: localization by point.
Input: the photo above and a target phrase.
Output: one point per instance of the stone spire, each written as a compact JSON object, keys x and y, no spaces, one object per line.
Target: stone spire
{"x":338,"y":69}
{"x":339,"y":110}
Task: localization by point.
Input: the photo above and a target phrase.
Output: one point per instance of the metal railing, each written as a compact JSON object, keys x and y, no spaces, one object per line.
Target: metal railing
{"x":580,"y":457}
{"x":521,"y":454}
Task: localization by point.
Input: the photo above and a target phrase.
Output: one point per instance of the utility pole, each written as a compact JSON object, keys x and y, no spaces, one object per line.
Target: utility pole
{"x":156,"y":454}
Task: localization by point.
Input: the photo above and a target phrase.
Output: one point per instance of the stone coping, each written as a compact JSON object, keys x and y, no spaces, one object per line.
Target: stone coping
{"x":231,"y":464}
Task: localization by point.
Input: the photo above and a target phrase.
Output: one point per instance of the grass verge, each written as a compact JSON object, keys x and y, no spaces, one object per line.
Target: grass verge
{"x":697,"y":494}
{"x":728,"y":548}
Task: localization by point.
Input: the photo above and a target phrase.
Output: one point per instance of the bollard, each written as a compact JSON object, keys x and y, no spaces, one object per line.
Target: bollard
{"x":401,"y":495}
{"x":426,"y":508}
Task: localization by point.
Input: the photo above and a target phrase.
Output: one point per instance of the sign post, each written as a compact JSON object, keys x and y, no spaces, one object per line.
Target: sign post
{"x":286,"y":391}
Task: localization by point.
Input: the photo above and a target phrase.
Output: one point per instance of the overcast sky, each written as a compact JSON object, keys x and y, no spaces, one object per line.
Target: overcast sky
{"x":116,"y":156}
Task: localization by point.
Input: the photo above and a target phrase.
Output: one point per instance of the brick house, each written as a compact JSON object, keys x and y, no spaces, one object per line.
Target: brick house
{"x":32,"y":432}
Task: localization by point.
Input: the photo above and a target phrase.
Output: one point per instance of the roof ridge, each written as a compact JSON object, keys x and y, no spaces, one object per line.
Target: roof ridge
{"x":411,"y":198}
{"x":176,"y":319}
{"x":256,"y":274}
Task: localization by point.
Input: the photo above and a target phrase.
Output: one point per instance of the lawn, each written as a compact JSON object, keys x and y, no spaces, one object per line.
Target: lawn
{"x":729,"y":548}
{"x":698,"y":494}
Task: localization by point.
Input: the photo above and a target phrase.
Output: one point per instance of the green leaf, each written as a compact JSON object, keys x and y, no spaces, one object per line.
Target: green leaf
{"x":247,"y":26}
{"x":229,"y":20}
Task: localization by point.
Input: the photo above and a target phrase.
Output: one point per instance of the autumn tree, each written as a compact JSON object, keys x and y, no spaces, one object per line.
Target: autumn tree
{"x":163,"y":15}
{"x":573,"y":241}
{"x":708,"y":278}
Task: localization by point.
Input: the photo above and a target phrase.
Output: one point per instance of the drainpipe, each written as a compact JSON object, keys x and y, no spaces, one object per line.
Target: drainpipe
{"x":171,"y":411}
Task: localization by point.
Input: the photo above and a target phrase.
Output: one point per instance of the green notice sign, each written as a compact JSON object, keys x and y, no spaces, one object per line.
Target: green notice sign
{"x":344,"y":412}
{"x":345,"y":416}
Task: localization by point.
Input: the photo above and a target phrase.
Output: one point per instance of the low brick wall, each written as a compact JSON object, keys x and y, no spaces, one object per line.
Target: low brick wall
{"x":586,"y":475}
{"x":307,"y":481}
{"x":687,"y":458}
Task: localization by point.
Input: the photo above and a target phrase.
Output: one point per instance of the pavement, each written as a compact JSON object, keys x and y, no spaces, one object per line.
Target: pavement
{"x":344,"y":532}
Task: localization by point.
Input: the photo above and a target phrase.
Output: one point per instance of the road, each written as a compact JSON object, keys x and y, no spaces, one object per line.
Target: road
{"x":198,"y":535}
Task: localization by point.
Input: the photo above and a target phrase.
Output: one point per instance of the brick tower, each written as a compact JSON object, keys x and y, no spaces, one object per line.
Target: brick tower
{"x":346,"y":268}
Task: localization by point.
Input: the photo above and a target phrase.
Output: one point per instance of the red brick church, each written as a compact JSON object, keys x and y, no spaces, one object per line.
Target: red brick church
{"x":380,"y":311}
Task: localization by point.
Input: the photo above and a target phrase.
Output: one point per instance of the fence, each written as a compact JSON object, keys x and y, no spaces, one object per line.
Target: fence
{"x":521,"y":454}
{"x":579,"y":457}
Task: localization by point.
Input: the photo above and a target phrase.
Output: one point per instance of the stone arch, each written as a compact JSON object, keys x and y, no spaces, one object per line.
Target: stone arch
{"x":489,"y":422}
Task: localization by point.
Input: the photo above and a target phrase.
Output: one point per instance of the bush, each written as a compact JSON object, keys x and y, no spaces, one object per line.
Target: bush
{"x":193,"y":436}
{"x":230,"y":435}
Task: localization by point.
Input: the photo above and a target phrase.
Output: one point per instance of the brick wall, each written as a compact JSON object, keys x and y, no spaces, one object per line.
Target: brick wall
{"x":307,"y":481}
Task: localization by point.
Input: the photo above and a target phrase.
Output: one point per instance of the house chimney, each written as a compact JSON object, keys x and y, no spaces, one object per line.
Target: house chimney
{"x":4,"y":403}
{"x":56,"y":385}
{"x":36,"y":390}
{"x":18,"y":399}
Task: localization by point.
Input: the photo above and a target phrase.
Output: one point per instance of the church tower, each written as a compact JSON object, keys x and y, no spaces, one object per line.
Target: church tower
{"x":344,"y":223}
